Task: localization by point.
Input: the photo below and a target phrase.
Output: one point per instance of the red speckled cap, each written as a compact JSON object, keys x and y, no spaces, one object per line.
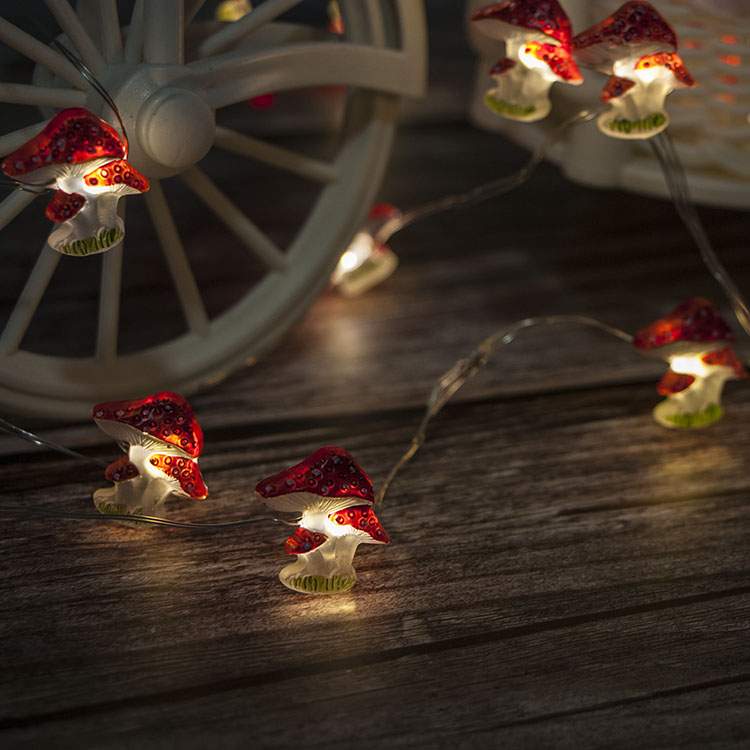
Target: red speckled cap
{"x":695,"y":320}
{"x":183,"y":473}
{"x":64,"y":206}
{"x":616,"y":87}
{"x":503,"y":65}
{"x":726,"y":358}
{"x":328,"y":480}
{"x":674,"y":382}
{"x":120,"y":175}
{"x":165,"y":417}
{"x":303,"y":540}
{"x":558,"y":58}
{"x":635,"y":28}
{"x":671,"y":61}
{"x":513,"y":19}
{"x":363,"y":519}
{"x":71,"y":137}
{"x":121,"y":470}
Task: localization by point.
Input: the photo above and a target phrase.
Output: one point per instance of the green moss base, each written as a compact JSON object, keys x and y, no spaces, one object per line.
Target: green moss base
{"x":698,"y":419}
{"x":506,"y":109}
{"x":115,"y":509}
{"x":648,"y":123}
{"x":321,"y":584}
{"x":106,"y":238}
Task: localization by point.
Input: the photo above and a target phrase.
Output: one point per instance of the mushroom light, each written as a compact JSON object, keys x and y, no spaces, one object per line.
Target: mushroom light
{"x":537,"y":38}
{"x":163,"y":441}
{"x":366,"y":262}
{"x":638,"y":48}
{"x":695,"y":340}
{"x":334,"y":496}
{"x":82,"y":157}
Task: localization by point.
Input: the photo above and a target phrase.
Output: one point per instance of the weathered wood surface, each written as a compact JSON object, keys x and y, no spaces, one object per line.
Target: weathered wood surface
{"x":563,"y":573}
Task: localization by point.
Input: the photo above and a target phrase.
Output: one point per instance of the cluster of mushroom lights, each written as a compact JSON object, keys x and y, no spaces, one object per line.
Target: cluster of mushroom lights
{"x":634,"y":46}
{"x":83,"y":159}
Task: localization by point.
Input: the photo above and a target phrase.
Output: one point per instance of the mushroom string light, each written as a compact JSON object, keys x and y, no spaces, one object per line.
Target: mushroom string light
{"x":639,"y":50}
{"x":537,"y":38}
{"x":163,"y":441}
{"x":83,"y":158}
{"x":695,"y":340}
{"x":366,"y":262}
{"x":334,"y":495}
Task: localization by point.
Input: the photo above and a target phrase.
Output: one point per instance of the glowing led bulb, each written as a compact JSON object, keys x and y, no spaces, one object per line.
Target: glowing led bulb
{"x":163,"y":441}
{"x":537,"y":54}
{"x":334,"y":496}
{"x":638,"y":47}
{"x":695,"y":340}
{"x":83,"y":157}
{"x":366,"y":262}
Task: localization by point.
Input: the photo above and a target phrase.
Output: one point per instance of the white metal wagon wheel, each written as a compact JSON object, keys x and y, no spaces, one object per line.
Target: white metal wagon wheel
{"x":169,"y":74}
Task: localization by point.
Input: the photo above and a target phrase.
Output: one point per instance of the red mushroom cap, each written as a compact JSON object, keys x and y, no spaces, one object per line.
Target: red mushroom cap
{"x":695,"y":320}
{"x":121,"y":470}
{"x":182,"y":472}
{"x":363,"y":519}
{"x":163,"y":417}
{"x":503,"y":65}
{"x":558,"y":58}
{"x":514,"y":19}
{"x":671,"y":61}
{"x":72,"y":136}
{"x":726,"y":358}
{"x":303,"y":540}
{"x":120,"y":175}
{"x":635,"y":28}
{"x":328,"y":480}
{"x":674,"y":382}
{"x":616,"y":87}
{"x":64,"y":206}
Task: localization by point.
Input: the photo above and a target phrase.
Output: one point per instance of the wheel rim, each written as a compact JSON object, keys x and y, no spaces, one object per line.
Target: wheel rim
{"x":38,"y":383}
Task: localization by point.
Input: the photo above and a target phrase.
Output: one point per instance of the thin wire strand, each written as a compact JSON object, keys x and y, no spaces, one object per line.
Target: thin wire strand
{"x":97,"y":86}
{"x":464,"y":369}
{"x":674,"y":174}
{"x":154,"y":520}
{"x":489,"y":189}
{"x":30,"y":437}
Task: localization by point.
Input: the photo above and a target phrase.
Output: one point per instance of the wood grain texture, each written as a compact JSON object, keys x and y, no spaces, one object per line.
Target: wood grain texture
{"x":563,"y":572}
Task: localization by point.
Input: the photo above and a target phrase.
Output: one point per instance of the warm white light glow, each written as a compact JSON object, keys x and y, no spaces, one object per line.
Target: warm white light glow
{"x":690,"y":365}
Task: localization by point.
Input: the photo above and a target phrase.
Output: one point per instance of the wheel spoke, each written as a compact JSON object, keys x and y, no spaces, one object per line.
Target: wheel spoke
{"x":163,"y":38}
{"x":268,"y":153}
{"x":255,"y":241}
{"x":191,"y":10}
{"x":28,"y":302}
{"x":233,"y":78}
{"x":13,"y":205}
{"x":134,"y":41}
{"x":109,"y":299}
{"x":13,"y":141}
{"x":109,"y":25}
{"x":40,"y":53}
{"x":79,"y":37}
{"x":233,"y":32}
{"x":179,"y":267}
{"x":19,"y":93}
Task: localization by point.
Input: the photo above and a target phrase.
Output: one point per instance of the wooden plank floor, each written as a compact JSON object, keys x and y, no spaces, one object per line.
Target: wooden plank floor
{"x":563,"y":572}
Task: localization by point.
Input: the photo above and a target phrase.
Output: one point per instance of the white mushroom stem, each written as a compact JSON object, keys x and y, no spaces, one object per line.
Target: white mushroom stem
{"x":145,"y":493}
{"x":95,"y":228}
{"x":328,"y":569}
{"x":700,"y":403}
{"x":639,"y":112}
{"x":142,"y":495}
